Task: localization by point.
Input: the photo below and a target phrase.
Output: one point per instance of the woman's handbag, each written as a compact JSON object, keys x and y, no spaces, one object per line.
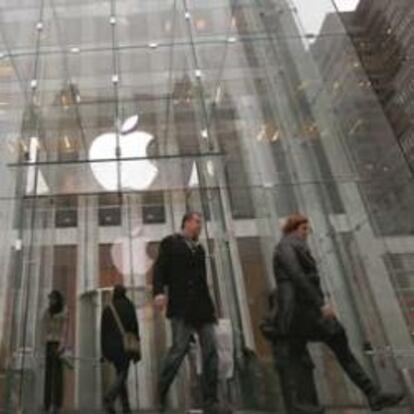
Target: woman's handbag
{"x":268,"y":325}
{"x":132,"y":345}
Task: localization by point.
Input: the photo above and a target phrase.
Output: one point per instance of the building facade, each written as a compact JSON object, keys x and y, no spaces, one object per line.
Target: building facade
{"x":382,"y":35}
{"x":119,"y":116}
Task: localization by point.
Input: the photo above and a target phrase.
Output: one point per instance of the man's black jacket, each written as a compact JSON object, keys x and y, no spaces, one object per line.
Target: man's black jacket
{"x":181,"y":272}
{"x":299,"y":293}
{"x":111,"y":338}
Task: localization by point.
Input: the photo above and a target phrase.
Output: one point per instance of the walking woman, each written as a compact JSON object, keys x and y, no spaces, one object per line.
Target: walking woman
{"x":305,"y":316}
{"x":119,"y":319}
{"x":55,"y":330}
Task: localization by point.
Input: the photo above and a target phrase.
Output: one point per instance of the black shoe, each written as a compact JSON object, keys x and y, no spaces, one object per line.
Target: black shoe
{"x":300,"y":408}
{"x":217,"y":409}
{"x":381,"y":400}
{"x":108,"y":407}
{"x":161,"y":407}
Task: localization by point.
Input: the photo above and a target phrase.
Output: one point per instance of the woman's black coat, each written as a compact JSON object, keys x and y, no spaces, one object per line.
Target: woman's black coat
{"x":299,"y":293}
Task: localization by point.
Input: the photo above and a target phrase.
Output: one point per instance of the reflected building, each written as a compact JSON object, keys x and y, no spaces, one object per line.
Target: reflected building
{"x":383,"y":37}
{"x":377,"y":59}
{"x":360,"y":71}
{"x":243,"y":120}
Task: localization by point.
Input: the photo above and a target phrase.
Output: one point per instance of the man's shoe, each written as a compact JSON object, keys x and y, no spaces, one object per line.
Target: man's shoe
{"x":161,"y":407}
{"x":381,"y":400}
{"x":108,"y":407}
{"x":217,"y":409}
{"x":299,"y":408}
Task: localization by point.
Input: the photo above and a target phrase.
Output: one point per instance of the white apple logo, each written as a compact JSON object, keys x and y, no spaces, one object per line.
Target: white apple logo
{"x":134,"y":174}
{"x":129,"y":255}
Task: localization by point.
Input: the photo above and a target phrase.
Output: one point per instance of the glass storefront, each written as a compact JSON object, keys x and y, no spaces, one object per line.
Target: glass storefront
{"x":117,"y":116}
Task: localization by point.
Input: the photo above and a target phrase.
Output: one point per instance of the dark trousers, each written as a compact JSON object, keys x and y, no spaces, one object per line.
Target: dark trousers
{"x":296,"y":372}
{"x":333,"y":334}
{"x":182,"y":334}
{"x":53,"y":393}
{"x":119,"y":388}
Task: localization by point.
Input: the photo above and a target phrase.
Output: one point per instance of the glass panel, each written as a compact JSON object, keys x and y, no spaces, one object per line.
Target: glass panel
{"x":117,"y":117}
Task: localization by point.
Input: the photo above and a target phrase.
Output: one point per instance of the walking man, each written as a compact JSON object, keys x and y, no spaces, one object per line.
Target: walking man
{"x":180,"y":285}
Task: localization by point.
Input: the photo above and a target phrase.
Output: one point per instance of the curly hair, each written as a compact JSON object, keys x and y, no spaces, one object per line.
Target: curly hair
{"x":293,"y":222}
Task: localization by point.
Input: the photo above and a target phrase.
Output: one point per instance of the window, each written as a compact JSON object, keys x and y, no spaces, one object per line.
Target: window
{"x":153,"y":209}
{"x":109,"y":210}
{"x":66,"y":211}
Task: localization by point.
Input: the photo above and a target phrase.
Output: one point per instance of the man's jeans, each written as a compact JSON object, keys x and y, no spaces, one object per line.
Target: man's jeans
{"x":182,"y":334}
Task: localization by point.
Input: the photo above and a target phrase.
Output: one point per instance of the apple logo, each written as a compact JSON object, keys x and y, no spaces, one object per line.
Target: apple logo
{"x":129,"y":255}
{"x":135,"y":174}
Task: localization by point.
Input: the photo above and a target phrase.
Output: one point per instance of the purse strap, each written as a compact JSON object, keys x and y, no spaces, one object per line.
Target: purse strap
{"x":117,"y":319}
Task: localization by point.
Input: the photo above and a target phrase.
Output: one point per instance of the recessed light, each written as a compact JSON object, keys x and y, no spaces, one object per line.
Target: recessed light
{"x":198,"y":73}
{"x":187,"y":15}
{"x":153,"y":45}
{"x":200,"y":24}
{"x":232,"y":39}
{"x":115,"y":78}
{"x":39,"y":26}
{"x":67,"y":142}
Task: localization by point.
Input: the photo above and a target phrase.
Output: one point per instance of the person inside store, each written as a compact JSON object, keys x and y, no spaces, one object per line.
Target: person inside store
{"x":120,"y":345}
{"x":180,"y":287}
{"x":55,"y":335}
{"x":304,"y":315}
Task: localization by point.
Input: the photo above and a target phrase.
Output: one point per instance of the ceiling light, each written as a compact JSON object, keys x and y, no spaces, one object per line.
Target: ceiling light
{"x":210,"y":168}
{"x":204,"y":133}
{"x":39,"y":26}
{"x":200,"y":24}
{"x":261,"y":134}
{"x":153,"y":45}
{"x":232,"y":39}
{"x":198,"y":73}
{"x":112,"y":20}
{"x":67,"y":142}
{"x":219,"y":95}
{"x":115,"y":78}
{"x":75,"y":50}
{"x":187,"y":15}
{"x":276,"y":135}
{"x":33,"y":84}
